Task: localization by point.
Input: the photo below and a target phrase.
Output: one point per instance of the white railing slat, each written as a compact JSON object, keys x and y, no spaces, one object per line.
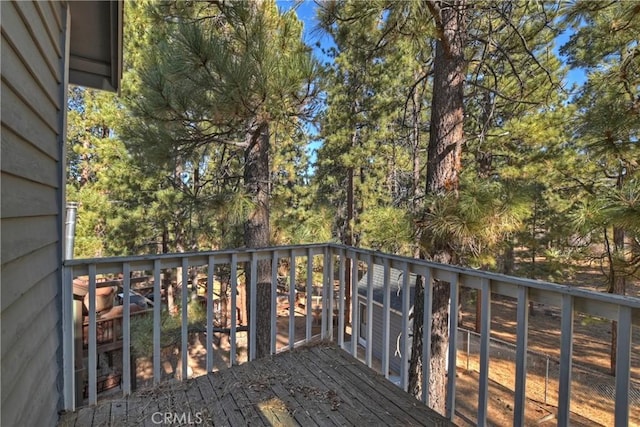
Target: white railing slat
{"x":566,"y":354}
{"x":234,"y":309}
{"x":274,"y":301}
{"x":341,"y":297}
{"x":426,"y":334}
{"x":157,"y":321}
{"x":453,"y":339}
{"x":386,"y":317}
{"x":369,"y":313}
{"x":69,"y":316}
{"x":126,"y":329}
{"x":309,"y":295}
{"x":355,"y":318}
{"x":404,"y":374}
{"x":185,"y":319}
{"x":92,"y":347}
{"x":623,"y":367}
{"x":253,"y":295}
{"x":485,"y":346}
{"x":292,"y":300}
{"x":522,"y":316}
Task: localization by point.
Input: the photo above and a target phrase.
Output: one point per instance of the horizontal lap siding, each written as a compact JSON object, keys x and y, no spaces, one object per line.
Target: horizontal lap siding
{"x":395,"y":327}
{"x":32,"y":104}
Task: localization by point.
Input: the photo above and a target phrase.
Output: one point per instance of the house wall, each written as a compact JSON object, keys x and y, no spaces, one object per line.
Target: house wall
{"x":395,"y":328}
{"x":31,"y":216}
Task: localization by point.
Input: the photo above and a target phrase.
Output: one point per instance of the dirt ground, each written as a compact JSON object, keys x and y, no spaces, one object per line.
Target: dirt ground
{"x":592,"y":393}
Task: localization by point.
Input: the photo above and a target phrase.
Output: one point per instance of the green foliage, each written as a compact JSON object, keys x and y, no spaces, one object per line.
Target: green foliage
{"x":387,"y":229}
{"x":477,"y":223}
{"x":170,"y":329}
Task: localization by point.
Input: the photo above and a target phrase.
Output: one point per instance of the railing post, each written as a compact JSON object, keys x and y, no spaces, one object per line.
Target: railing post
{"x":521,"y":355}
{"x":126,"y":329}
{"x":185,"y":318}
{"x":427,"y":324}
{"x":92,"y":345}
{"x":453,"y":342}
{"x":327,"y":294}
{"x":386,"y":316}
{"x":292,"y":300}
{"x":485,"y":347}
{"x":309,"y":296}
{"x":369,"y":313}
{"x":566,"y":353}
{"x":404,"y":374}
{"x":157,"y":321}
{"x":355,"y":318}
{"x":623,"y":366}
{"x":274,"y":300}
{"x":68,"y":339}
{"x":253,"y":295}
{"x":341,"y":297}
{"x":234,"y":308}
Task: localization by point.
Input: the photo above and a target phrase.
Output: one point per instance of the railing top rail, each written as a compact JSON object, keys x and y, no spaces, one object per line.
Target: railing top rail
{"x":198,"y":254}
{"x":621,"y":300}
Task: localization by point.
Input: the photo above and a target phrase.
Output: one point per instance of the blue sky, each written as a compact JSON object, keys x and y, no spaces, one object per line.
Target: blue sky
{"x":306,"y":11}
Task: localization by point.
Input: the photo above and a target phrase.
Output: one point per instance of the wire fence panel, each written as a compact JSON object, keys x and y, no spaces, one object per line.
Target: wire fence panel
{"x":591,"y":391}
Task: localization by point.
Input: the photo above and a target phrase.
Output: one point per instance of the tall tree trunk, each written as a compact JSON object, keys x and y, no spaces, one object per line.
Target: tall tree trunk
{"x":617,"y":280}
{"x":443,"y":167}
{"x":256,"y":230}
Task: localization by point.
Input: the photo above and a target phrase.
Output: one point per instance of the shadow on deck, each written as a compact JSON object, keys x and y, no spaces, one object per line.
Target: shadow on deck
{"x":313,"y":385}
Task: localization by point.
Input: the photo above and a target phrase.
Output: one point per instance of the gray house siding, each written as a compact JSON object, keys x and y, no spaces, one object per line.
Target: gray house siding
{"x":395,"y":328}
{"x":33,"y":95}
{"x":395,"y":315}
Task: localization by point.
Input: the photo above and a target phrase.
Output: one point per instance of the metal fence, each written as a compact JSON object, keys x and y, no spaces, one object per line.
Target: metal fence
{"x":593,"y":392}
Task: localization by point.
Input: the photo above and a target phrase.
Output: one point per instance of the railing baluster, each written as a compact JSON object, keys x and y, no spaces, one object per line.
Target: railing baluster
{"x":521,"y":355}
{"x":68,"y":338}
{"x":126,"y":329}
{"x":253,"y":294}
{"x":355,"y":318}
{"x":485,"y":346}
{"x":566,"y":354}
{"x":157,"y":321}
{"x":274,"y":300}
{"x":92,"y":347}
{"x":234,"y":308}
{"x":341,"y":297}
{"x":185,"y":318}
{"x":369,"y":313}
{"x":404,"y":370}
{"x":386,"y":316}
{"x":309,"y":305}
{"x":211,"y":268}
{"x":292,"y":300}
{"x":327,"y":295}
{"x":453,"y":340}
{"x":426,"y":335}
{"x":623,"y":310}
{"x":623,"y":366}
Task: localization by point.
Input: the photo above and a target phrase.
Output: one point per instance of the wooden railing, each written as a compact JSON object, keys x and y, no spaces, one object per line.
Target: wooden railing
{"x":329,"y":262}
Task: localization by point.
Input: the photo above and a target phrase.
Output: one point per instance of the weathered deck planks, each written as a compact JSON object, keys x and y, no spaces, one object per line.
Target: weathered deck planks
{"x":312,"y":386}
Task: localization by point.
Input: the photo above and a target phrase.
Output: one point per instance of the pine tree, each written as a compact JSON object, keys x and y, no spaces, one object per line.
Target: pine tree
{"x":226,"y":74}
{"x":605,"y":44}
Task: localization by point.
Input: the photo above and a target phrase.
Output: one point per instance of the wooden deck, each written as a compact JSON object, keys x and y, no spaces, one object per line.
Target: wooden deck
{"x":319,"y":385}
